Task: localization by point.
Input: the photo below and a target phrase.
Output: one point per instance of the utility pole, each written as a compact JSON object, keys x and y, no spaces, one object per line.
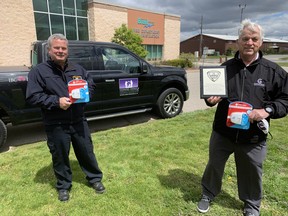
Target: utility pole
{"x":242,"y":7}
{"x":201,"y":38}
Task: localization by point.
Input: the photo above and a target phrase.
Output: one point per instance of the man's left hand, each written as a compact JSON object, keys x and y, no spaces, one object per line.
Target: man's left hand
{"x":257,"y":115}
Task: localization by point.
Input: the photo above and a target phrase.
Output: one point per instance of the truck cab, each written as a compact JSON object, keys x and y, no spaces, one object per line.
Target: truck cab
{"x":125,"y":84}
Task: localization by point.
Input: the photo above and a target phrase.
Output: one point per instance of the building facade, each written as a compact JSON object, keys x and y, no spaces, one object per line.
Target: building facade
{"x":25,"y":21}
{"x":223,"y":44}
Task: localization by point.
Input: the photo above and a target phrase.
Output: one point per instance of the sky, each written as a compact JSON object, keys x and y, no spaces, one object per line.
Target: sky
{"x":219,"y":16}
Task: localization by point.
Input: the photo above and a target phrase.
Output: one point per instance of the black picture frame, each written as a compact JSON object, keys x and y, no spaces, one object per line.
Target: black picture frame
{"x":213,"y":81}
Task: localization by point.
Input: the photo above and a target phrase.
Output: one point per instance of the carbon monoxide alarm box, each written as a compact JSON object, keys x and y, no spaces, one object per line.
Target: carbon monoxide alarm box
{"x":78,"y":91}
{"x":238,"y":115}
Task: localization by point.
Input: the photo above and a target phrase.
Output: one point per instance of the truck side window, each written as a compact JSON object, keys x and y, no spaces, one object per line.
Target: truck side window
{"x":117,"y":59}
{"x":85,"y":56}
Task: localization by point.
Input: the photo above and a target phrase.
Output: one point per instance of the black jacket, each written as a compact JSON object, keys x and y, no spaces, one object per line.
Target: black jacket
{"x":262,"y":83}
{"x":47,"y":83}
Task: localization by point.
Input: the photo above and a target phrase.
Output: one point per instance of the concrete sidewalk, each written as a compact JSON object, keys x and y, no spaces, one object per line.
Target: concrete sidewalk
{"x":194,"y":102}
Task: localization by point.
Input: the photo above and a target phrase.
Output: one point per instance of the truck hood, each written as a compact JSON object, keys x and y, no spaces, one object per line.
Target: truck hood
{"x":168,"y":69}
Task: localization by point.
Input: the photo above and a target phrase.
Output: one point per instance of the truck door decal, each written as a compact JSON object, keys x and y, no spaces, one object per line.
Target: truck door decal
{"x":128,"y":86}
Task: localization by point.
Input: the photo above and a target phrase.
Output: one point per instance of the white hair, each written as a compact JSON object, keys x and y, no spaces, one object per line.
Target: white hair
{"x":252,"y":26}
{"x":55,"y":36}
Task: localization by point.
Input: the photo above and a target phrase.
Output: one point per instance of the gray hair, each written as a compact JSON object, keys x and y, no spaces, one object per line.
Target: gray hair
{"x":252,"y":26}
{"x":55,"y":36}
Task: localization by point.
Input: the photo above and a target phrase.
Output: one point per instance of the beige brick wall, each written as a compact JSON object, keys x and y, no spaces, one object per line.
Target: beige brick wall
{"x":104,"y":19}
{"x":172,"y":37}
{"x":17,"y":32}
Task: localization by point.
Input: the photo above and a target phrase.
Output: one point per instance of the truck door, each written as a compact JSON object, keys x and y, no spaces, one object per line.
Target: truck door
{"x":124,"y":87}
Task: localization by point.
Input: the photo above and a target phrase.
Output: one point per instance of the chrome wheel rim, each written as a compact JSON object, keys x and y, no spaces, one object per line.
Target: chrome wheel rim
{"x":172,"y":103}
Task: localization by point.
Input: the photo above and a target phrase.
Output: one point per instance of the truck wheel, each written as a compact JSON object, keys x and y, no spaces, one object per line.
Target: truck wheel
{"x":170,"y":103}
{"x":3,"y":133}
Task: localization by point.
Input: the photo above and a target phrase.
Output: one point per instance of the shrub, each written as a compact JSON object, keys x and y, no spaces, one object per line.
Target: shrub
{"x":183,"y":63}
{"x":188,"y":56}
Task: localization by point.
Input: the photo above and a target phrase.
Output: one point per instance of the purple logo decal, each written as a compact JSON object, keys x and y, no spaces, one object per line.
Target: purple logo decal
{"x":128,"y":86}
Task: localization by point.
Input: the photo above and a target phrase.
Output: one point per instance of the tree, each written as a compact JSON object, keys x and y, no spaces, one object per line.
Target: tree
{"x":129,"y":39}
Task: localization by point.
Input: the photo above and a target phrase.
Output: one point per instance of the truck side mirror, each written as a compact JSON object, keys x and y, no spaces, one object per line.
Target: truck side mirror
{"x":144,"y":67}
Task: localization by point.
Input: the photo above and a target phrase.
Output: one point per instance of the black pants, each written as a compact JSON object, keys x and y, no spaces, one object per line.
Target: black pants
{"x":59,"y":139}
{"x":248,"y":159}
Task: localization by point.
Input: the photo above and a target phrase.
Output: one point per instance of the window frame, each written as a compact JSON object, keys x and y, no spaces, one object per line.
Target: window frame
{"x":81,"y":30}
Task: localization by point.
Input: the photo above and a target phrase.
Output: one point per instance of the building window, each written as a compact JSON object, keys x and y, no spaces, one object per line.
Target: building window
{"x":154,"y":52}
{"x":68,"y":17}
{"x":56,"y":23}
{"x":81,"y":7}
{"x":42,"y":25}
{"x":69,"y":7}
{"x":55,"y":6}
{"x":40,"y":5}
{"x":82,"y":29}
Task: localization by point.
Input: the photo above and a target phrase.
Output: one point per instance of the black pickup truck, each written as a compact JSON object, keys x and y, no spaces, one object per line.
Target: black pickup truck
{"x":125,"y":84}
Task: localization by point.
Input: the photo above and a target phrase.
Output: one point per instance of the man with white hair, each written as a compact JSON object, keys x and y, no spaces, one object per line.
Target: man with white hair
{"x":253,"y":80}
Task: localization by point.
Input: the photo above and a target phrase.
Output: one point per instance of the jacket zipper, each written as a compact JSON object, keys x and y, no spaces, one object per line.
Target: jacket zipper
{"x":243,"y":81}
{"x":241,"y":98}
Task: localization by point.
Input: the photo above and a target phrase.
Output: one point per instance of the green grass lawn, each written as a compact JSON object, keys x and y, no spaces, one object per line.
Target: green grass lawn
{"x":283,"y":64}
{"x":152,"y":168}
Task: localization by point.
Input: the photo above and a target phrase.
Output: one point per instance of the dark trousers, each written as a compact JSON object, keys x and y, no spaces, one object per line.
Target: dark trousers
{"x":248,"y":159}
{"x":59,"y":139}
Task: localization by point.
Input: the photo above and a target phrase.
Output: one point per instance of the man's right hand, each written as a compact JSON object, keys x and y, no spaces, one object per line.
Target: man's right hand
{"x":214,"y":100}
{"x":64,"y":103}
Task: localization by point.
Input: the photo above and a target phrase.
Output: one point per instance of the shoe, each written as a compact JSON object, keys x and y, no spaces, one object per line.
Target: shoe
{"x":263,"y":125}
{"x":246,"y":213}
{"x":203,"y":205}
{"x":63,"y":195}
{"x":98,"y":187}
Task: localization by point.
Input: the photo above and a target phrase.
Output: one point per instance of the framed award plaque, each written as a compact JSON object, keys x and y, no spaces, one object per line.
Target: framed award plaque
{"x":213,"y":81}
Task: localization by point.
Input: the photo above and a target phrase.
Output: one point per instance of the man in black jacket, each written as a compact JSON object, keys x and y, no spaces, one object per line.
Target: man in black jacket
{"x":64,"y":121}
{"x":262,"y":84}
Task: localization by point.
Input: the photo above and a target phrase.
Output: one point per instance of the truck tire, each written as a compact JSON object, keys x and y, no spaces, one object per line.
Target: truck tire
{"x":170,"y":103}
{"x":3,"y":133}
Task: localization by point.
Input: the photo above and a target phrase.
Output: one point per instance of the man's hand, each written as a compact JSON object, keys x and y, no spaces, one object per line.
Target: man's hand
{"x":64,"y":103}
{"x":214,"y":100}
{"x":257,"y":115}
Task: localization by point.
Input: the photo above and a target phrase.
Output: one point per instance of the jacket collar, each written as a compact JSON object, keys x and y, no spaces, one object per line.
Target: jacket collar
{"x":68,"y":65}
{"x":259,"y":57}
